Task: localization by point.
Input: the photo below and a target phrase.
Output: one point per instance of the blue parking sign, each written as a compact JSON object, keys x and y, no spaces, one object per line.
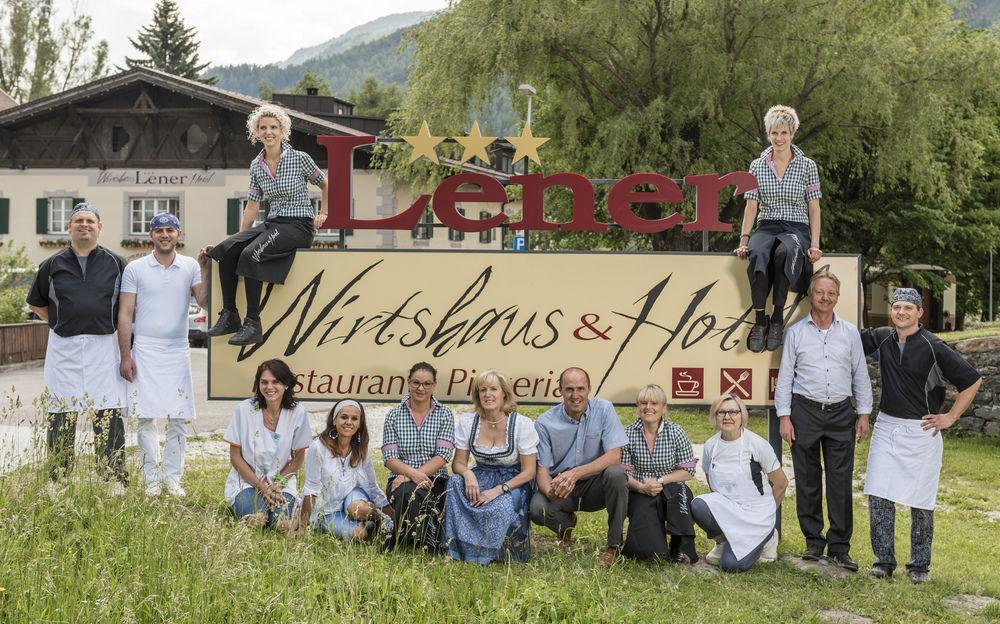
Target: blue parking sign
{"x":519,"y":242}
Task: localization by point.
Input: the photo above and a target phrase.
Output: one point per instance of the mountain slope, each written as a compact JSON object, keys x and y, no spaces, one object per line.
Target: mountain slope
{"x":365,"y":33}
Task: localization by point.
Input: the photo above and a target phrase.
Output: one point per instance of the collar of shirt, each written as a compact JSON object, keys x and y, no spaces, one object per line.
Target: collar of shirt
{"x":262,"y":157}
{"x":835,"y":323}
{"x":153,"y":262}
{"x":568,"y":418}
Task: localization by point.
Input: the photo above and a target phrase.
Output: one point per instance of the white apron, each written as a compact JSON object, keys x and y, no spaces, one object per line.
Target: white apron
{"x":162,"y":386}
{"x":745,"y":516}
{"x":264,"y":450}
{"x":904,"y":462}
{"x":83,"y":373}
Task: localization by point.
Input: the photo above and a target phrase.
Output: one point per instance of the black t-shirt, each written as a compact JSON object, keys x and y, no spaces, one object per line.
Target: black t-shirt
{"x":914,"y":374}
{"x":79,"y":302}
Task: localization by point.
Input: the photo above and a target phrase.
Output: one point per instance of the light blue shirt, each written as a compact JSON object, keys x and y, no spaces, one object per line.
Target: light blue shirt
{"x":564,"y":443}
{"x":823,"y":365}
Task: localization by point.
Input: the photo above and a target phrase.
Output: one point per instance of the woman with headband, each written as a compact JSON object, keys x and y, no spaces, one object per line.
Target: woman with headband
{"x":341,"y":496}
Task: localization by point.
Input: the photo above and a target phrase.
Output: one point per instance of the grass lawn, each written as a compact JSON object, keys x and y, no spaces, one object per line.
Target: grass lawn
{"x":978,"y":331}
{"x":87,"y":558}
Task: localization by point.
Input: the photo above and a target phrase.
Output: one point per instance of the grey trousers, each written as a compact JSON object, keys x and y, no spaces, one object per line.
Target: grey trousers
{"x":882,"y":514}
{"x":608,"y":490}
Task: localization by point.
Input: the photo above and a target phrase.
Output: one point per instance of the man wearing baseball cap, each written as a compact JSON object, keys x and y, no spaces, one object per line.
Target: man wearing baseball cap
{"x":156,"y":291}
{"x":904,"y":460}
{"x":76,"y":291}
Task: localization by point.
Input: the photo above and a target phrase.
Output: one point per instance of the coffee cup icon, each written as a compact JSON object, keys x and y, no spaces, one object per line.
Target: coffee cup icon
{"x":686,"y":387}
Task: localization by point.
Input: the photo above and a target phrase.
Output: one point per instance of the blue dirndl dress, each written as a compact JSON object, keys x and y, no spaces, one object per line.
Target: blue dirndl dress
{"x":499,"y":531}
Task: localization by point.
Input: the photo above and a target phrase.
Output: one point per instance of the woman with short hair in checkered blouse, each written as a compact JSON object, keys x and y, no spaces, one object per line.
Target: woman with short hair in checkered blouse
{"x":264,"y":252}
{"x":785,"y":207}
{"x":418,"y":441}
{"x":658,"y":459}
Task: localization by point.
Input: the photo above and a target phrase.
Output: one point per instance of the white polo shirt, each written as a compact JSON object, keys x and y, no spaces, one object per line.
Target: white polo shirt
{"x":162,"y":295}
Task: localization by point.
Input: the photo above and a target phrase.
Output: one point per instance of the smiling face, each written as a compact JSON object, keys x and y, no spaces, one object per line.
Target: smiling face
{"x":729,"y":418}
{"x":491,"y":396}
{"x":650,"y":411}
{"x":269,"y":132}
{"x":823,"y":295}
{"x":421,"y":385}
{"x":575,"y":392}
{"x":348,"y":422}
{"x":272,"y":389}
{"x":84,"y":228}
{"x":780,"y":138}
{"x":905,"y":315}
{"x":165,"y":239}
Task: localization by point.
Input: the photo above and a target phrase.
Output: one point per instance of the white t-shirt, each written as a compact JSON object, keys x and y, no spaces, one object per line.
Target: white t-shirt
{"x":162,"y":295}
{"x":331,"y":478}
{"x":264,"y":450}
{"x":522,"y":439}
{"x":724,"y":455}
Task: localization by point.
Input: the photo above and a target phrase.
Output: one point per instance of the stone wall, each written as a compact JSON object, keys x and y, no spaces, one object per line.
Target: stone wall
{"x":983,"y":416}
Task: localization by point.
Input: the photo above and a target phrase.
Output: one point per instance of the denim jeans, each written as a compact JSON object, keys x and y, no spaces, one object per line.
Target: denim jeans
{"x":250,"y":501}
{"x":338,"y":523}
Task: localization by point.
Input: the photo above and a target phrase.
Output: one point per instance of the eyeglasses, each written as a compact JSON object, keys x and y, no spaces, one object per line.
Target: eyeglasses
{"x":732,"y":413}
{"x":426,"y":385}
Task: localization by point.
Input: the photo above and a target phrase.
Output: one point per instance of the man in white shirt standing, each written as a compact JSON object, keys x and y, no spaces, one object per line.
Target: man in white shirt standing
{"x":822,"y":367}
{"x":155,"y":294}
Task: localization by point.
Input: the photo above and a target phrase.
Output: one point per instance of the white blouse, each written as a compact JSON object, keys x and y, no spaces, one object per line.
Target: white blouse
{"x":264,"y":450}
{"x":522,"y":439}
{"x":331,"y":478}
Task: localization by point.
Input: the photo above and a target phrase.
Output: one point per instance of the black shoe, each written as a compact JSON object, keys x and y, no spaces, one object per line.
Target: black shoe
{"x":250,"y":333}
{"x":878,"y":572}
{"x":844,"y":560}
{"x":757,"y":338}
{"x":228,"y":323}
{"x":918,"y":577}
{"x":775,"y":335}
{"x":812,"y":553}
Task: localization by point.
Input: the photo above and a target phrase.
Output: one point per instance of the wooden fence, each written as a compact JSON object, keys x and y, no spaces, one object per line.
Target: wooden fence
{"x":21,"y":342}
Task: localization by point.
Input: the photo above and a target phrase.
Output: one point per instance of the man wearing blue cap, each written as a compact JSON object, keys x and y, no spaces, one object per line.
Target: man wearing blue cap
{"x":76,"y":291}
{"x":155,"y":294}
{"x":904,"y":460}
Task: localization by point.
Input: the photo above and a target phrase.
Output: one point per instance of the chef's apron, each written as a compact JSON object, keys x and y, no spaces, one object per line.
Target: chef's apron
{"x":162,"y":386}
{"x":83,"y":373}
{"x":745,"y":516}
{"x":904,"y":462}
{"x":795,"y":237}
{"x":268,"y":247}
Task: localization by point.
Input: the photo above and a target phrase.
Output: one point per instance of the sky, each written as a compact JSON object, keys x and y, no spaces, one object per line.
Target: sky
{"x":240,"y":31}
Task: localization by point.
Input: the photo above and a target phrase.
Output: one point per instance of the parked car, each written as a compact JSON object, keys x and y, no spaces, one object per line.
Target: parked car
{"x":197,"y":325}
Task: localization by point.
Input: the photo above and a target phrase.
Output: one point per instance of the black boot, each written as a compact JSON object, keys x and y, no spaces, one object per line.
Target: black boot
{"x":758,"y":337}
{"x":228,"y":323}
{"x":775,"y":335}
{"x":250,"y":333}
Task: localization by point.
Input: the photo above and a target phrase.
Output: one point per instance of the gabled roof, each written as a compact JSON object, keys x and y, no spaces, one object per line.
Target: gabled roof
{"x":219,"y":97}
{"x":6,"y":101}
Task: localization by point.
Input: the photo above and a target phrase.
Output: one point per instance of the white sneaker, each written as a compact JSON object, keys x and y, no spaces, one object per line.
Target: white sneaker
{"x":154,"y":489}
{"x":175,"y":490}
{"x":770,"y":552}
{"x":116,"y":489}
{"x":714,"y":556}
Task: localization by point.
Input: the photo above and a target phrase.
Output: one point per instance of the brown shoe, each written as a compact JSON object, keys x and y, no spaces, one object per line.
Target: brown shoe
{"x":608,"y":556}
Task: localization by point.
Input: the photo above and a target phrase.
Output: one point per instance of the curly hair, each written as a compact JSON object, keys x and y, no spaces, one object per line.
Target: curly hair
{"x":268,"y":110}
{"x":779,"y":115}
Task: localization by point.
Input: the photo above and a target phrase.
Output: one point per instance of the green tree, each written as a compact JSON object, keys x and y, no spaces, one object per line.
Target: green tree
{"x":375,"y":99}
{"x":265,"y":90}
{"x":896,"y":102}
{"x":169,"y":45}
{"x":39,"y":57}
{"x":311,"y":80}
{"x":16,"y":272}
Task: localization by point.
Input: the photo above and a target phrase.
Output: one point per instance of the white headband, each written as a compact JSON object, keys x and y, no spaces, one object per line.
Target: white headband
{"x":345,"y":403}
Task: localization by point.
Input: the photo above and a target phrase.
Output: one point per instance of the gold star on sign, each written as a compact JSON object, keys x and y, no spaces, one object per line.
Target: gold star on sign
{"x":526,"y":145}
{"x":424,"y":144}
{"x":475,"y":144}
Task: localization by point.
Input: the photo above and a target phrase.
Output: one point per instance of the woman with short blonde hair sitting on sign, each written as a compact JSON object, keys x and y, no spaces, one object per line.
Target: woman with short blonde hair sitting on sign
{"x":785,"y":207}
{"x":747,"y":485}
{"x":486,"y":512}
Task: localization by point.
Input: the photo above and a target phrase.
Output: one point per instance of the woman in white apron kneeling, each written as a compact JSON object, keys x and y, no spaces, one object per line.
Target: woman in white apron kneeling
{"x":747,"y":485}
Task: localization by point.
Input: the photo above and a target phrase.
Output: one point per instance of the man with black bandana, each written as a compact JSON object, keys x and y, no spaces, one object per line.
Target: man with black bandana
{"x":904,"y":460}
{"x":76,"y":291}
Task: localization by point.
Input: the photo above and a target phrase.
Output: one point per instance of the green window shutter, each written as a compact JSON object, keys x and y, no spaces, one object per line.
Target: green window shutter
{"x":4,"y":215}
{"x":79,"y":200}
{"x":42,"y":215}
{"x":233,"y":215}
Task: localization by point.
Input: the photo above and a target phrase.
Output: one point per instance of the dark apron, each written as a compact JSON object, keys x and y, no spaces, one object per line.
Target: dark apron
{"x":268,"y":249}
{"x":795,"y":237}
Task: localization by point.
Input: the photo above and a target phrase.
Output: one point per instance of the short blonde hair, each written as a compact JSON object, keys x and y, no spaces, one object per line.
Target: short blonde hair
{"x":485,"y":377}
{"x":713,"y":411}
{"x":823,"y":275}
{"x":653,"y":393}
{"x":780,"y":115}
{"x":268,"y":110}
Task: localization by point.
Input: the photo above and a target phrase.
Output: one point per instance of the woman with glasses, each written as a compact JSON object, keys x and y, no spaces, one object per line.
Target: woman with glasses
{"x":418,"y":441}
{"x":486,"y":513}
{"x":747,"y":485}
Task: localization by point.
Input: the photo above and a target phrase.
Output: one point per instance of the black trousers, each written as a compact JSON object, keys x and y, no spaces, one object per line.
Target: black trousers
{"x":608,"y":490}
{"x":824,"y":444}
{"x":777,"y":262}
{"x":652,"y":518}
{"x":109,"y":443}
{"x":419,"y":514}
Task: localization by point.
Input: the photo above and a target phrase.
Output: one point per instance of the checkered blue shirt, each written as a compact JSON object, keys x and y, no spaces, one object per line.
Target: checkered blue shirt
{"x":286,"y":192}
{"x":671,"y":451}
{"x":415,"y":446}
{"x":787,"y":198}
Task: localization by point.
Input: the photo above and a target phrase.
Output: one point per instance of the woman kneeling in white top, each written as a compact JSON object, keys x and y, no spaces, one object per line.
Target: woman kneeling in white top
{"x":267,"y":437}
{"x":747,"y":486}
{"x":341,"y":496}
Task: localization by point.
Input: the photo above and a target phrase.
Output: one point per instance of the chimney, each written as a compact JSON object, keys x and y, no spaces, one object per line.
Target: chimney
{"x":312,"y":91}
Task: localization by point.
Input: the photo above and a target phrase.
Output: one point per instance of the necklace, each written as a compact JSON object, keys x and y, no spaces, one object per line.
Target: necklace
{"x":493,"y":423}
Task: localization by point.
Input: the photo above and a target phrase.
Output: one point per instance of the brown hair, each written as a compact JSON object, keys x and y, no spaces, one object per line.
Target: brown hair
{"x":820,"y":275}
{"x":359,"y":441}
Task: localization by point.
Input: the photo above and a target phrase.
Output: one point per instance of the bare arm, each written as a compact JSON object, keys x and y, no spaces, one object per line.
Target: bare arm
{"x":294,"y":463}
{"x":126,"y":319}
{"x":962,"y":402}
{"x":749,"y":217}
{"x":249,"y":215}
{"x":814,"y":223}
{"x":563,"y":485}
{"x":200,"y":290}
{"x":543,"y":478}
{"x":43,"y":313}
{"x":779,"y":483}
{"x":527,"y":474}
{"x":677,"y":476}
{"x":321,"y":217}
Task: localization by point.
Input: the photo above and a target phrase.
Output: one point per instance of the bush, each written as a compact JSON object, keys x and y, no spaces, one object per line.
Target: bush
{"x":12,"y":305}
{"x":16,"y":274}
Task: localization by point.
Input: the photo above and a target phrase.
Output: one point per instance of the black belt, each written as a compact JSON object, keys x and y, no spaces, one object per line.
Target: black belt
{"x":824,"y":407}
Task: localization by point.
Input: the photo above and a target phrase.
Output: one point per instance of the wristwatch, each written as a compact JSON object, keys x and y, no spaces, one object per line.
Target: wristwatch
{"x":505,"y":488}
